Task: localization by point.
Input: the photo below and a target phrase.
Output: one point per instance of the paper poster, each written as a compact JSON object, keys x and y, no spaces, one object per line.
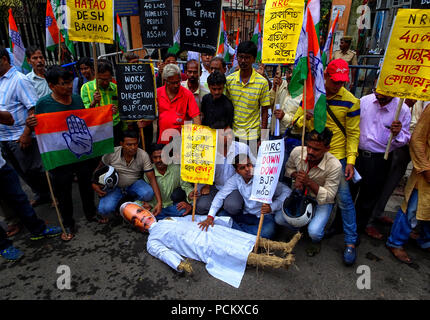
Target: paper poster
{"x":267,"y":170}
{"x":198,"y":154}
{"x":282,"y":24}
{"x":156,"y":23}
{"x":91,"y":20}
{"x":406,"y":69}
{"x":136,"y":91}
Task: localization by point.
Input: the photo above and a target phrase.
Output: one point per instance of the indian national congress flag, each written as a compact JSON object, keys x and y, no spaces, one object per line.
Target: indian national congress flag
{"x":67,"y":137}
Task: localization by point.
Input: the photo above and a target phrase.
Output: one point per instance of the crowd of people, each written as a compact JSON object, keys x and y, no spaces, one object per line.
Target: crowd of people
{"x":343,"y":164}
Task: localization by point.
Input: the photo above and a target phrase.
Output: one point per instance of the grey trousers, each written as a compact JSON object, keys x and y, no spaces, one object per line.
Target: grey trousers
{"x":233,"y":204}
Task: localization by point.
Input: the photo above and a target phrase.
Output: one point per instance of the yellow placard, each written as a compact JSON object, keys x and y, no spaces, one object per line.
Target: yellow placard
{"x":282,"y":23}
{"x":406,"y":69}
{"x":198,"y":154}
{"x":90,"y":20}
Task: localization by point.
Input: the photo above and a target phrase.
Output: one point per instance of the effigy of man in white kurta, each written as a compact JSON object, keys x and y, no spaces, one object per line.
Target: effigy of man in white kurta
{"x":224,"y":250}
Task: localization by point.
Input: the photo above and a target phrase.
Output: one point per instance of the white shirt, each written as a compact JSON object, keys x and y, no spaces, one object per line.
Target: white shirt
{"x":224,"y":169}
{"x":204,"y":76}
{"x":39,"y":84}
{"x":236,"y":182}
{"x":2,"y":161}
{"x":224,"y":250}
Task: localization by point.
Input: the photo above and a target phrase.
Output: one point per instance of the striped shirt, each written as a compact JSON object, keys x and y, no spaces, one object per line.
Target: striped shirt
{"x":247,"y":101}
{"x":17,"y":95}
{"x":346,"y":108}
{"x":39,"y":84}
{"x":108,"y":96}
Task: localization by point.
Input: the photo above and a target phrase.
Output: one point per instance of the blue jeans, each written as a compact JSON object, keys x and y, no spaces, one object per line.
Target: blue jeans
{"x":347,"y":208}
{"x":317,"y":224}
{"x":170,"y":211}
{"x":402,"y":226}
{"x":140,"y":190}
{"x":12,"y":193}
{"x":249,"y":223}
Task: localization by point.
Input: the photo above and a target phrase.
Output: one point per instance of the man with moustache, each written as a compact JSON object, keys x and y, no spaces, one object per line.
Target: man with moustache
{"x":37,"y":76}
{"x":193,"y":83}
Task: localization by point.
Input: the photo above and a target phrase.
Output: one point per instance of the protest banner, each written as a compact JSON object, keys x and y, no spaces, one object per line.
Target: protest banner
{"x":136,"y":91}
{"x":90,"y":21}
{"x":266,"y":175}
{"x":156,"y":22}
{"x":405,"y":72}
{"x":199,"y":27}
{"x":198,"y":155}
{"x":267,"y":169}
{"x":423,"y":4}
{"x":282,"y":24}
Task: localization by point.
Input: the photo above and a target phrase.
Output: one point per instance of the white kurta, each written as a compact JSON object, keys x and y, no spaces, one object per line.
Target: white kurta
{"x":223,"y":250}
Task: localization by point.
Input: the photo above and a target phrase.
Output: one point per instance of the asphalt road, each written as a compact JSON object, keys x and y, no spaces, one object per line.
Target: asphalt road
{"x":111,"y":262}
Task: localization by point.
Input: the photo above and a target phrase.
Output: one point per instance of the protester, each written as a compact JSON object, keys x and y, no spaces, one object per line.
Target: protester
{"x":218,"y":63}
{"x":205,"y":66}
{"x":416,"y":206}
{"x":319,"y":174}
{"x":11,"y":191}
{"x":279,"y":94}
{"x":19,"y":148}
{"x":249,"y":220}
{"x":131,"y":164}
{"x":377,"y":113}
{"x":86,"y":73}
{"x":343,"y":119}
{"x":346,"y":54}
{"x":176,"y":105}
{"x":102,"y":93}
{"x":37,"y":76}
{"x":131,"y":57}
{"x":173,"y":189}
{"x":193,"y":83}
{"x":60,"y":81}
{"x":169,"y":58}
{"x":249,"y":92}
{"x":217,"y":110}
{"x":227,"y":150}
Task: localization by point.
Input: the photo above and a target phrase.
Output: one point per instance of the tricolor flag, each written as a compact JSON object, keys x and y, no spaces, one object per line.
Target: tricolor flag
{"x":176,"y":43}
{"x":67,"y":137}
{"x":120,"y":37}
{"x":16,"y":45}
{"x":223,"y":47}
{"x":52,"y":31}
{"x":235,"y":63}
{"x":328,"y":47}
{"x":308,"y":68}
{"x":256,"y":38}
{"x":59,"y":7}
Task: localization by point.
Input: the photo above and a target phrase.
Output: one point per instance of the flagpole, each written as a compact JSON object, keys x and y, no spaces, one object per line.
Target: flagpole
{"x":95,"y":65}
{"x":55,"y":202}
{"x":304,"y":126}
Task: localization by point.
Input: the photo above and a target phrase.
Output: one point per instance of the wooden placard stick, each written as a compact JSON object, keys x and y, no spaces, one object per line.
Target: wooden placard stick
{"x":396,"y":118}
{"x":194,"y":201}
{"x":95,"y":66}
{"x":302,"y":162}
{"x":260,"y":225}
{"x":55,"y":203}
{"x":142,"y":136}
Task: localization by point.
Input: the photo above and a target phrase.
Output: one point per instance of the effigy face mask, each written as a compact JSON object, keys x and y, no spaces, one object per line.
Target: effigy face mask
{"x":139,"y":217}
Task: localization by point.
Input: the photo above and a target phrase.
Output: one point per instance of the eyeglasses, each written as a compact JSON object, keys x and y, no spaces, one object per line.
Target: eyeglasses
{"x":244,"y":57}
{"x":173,"y":82}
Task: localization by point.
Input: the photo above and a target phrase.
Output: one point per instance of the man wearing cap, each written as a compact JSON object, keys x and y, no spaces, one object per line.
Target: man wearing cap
{"x":343,"y":119}
{"x":346,"y":54}
{"x":376,"y":123}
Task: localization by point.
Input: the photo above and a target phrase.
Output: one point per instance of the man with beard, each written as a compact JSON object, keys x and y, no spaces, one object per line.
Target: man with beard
{"x":37,"y":76}
{"x":193,"y":83}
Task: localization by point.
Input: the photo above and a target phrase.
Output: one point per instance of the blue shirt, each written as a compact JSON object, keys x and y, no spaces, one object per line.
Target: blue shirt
{"x":17,"y":95}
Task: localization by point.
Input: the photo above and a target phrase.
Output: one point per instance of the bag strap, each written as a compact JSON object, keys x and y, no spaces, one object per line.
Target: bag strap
{"x":341,"y":127}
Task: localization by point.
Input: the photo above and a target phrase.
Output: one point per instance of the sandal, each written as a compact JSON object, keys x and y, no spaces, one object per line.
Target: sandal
{"x":400,"y":254}
{"x":102,"y":220}
{"x":373,"y":233}
{"x":69,"y":235}
{"x":12,"y":230}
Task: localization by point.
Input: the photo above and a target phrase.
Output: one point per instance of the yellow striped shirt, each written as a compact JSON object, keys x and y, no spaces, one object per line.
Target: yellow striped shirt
{"x":247,"y":101}
{"x":346,"y":108}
